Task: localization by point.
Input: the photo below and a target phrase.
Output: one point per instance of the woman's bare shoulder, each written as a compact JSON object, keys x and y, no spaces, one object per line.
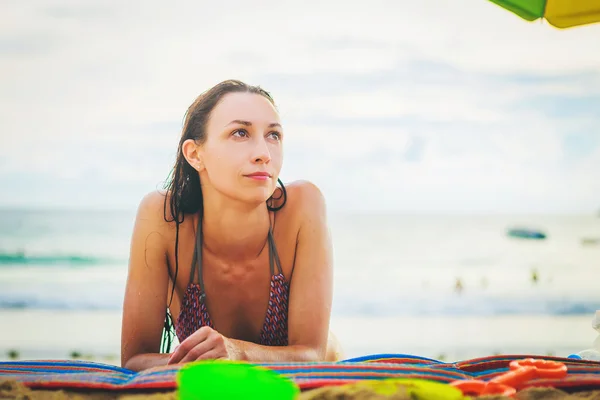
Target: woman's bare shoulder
{"x":154,"y":207}
{"x":303,"y":191}
{"x":304,"y":200}
{"x":155,"y":210}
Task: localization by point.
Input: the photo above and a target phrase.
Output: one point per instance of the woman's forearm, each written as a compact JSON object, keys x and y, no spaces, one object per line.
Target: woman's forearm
{"x":252,"y":352}
{"x":238,"y":350}
{"x":144,"y":361}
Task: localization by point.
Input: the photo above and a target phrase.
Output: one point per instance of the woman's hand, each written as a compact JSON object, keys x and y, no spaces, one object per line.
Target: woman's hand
{"x":204,"y":344}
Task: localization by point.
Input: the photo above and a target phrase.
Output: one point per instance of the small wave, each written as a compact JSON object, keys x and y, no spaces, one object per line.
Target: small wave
{"x":15,"y":304}
{"x":90,"y":298}
{"x":22,"y":258}
{"x":475,"y":306}
{"x":58,"y":305}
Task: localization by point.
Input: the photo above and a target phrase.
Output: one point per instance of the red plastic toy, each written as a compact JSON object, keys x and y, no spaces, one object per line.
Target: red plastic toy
{"x":507,"y":384}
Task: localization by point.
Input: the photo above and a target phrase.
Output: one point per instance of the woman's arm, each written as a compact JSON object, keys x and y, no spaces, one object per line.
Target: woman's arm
{"x":145,"y":300}
{"x":311,"y":289}
{"x":311,"y":286}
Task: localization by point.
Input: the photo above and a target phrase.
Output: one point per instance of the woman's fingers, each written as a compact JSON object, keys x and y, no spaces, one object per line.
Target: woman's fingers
{"x":197,"y":352}
{"x":189,"y":344}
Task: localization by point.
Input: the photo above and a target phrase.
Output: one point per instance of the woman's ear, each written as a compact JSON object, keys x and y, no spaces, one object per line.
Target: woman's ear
{"x":191,"y":152}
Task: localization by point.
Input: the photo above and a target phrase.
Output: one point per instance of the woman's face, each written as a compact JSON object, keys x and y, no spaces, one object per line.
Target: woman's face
{"x":242,"y":155}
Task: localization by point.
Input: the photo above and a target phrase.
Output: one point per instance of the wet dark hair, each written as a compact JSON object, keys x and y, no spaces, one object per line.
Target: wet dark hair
{"x":184,"y":194}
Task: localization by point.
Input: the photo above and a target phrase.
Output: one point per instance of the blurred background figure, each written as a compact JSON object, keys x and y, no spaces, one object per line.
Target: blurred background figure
{"x":534,"y":276}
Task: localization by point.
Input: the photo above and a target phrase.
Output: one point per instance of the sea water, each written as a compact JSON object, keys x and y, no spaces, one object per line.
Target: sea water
{"x":384,"y":265}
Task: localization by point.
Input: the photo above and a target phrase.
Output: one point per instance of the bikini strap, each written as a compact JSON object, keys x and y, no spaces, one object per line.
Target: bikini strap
{"x":197,"y":257}
{"x":199,"y":252}
{"x":273,"y":255}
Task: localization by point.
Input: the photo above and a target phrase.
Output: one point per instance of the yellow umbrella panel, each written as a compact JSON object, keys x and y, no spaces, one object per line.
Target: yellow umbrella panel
{"x":559,"y":13}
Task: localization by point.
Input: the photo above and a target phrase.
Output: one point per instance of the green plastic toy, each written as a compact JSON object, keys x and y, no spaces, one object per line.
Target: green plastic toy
{"x":208,"y":380}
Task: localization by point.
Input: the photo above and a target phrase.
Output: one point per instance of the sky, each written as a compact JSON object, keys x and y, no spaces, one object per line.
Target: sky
{"x":407,"y":106}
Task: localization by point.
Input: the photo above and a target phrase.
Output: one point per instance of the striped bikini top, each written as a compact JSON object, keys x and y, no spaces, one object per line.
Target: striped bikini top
{"x":194,"y":313}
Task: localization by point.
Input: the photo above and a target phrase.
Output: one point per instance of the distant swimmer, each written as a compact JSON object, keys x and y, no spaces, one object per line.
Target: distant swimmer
{"x":458,"y":286}
{"x":534,"y":276}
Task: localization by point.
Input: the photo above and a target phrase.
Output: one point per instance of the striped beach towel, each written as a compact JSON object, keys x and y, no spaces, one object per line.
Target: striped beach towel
{"x":60,"y":374}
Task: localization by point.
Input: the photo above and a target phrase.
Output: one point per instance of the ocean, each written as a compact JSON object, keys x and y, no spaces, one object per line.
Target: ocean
{"x":446,"y":287}
{"x":385,"y":265}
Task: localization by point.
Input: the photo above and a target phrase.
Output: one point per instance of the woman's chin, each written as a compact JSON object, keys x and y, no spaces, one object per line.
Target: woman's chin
{"x":258,"y":197}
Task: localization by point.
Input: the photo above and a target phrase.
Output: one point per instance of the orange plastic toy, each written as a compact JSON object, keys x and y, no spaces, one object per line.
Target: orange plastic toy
{"x":507,"y":384}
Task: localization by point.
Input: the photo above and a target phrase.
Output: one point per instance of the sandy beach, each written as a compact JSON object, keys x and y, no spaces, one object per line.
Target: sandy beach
{"x":95,"y":335}
{"x":357,"y":391}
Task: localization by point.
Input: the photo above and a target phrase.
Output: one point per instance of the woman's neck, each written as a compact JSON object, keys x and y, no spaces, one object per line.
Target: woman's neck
{"x":235,"y":232}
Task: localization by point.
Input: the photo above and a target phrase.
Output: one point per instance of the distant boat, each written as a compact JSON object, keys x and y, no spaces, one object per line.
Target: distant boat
{"x":590,"y":241}
{"x":525,"y":233}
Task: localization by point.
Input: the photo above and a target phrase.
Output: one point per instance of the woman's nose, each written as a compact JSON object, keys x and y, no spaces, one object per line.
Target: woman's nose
{"x":262,"y":153}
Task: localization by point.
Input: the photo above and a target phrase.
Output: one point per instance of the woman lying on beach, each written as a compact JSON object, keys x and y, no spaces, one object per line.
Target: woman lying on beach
{"x":243,"y":265}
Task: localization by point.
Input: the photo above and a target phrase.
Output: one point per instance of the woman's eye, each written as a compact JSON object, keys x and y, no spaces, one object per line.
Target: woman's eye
{"x":240,"y":133}
{"x":275,"y":135}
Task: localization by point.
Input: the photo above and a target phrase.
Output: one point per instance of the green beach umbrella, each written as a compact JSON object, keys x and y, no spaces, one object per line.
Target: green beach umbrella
{"x":559,"y":13}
